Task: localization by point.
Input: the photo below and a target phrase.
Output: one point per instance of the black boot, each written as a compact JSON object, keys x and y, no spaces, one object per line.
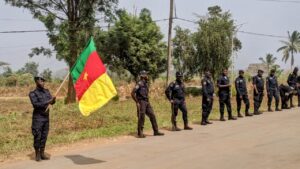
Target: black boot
{"x":248,"y":114}
{"x":231,"y":118}
{"x":240,"y":115}
{"x":174,"y":127}
{"x":43,"y":156}
{"x":157,"y":133}
{"x":222,"y":117}
{"x":207,"y":121}
{"x":186,"y":126}
{"x":140,"y":134}
{"x":37,"y":154}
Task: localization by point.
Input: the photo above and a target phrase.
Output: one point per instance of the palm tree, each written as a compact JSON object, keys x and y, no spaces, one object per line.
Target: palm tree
{"x":290,"y":47}
{"x":269,"y":60}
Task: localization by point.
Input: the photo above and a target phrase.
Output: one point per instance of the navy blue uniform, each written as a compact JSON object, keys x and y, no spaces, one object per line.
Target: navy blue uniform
{"x":141,"y":91}
{"x":292,"y":82}
{"x":272,"y":90}
{"x":285,"y":94}
{"x":259,"y":94}
{"x":241,"y":93}
{"x":224,"y":96}
{"x":40,"y":119}
{"x":208,"y":97}
{"x":176,"y":92}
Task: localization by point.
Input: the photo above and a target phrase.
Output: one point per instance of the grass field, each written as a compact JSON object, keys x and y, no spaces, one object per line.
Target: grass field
{"x":67,"y":125}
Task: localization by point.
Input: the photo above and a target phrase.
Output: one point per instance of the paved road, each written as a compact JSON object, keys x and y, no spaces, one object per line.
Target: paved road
{"x":268,"y":141}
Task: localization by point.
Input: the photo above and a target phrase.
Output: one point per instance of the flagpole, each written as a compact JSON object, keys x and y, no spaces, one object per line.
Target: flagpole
{"x":59,"y":88}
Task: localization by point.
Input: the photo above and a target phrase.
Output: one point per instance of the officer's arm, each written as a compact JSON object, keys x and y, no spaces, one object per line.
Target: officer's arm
{"x":36,"y":103}
{"x":237,"y":85}
{"x":254,"y":84}
{"x":52,"y":99}
{"x":220,"y":85}
{"x":133,"y":93}
{"x":204,"y":89}
{"x":168,"y":92}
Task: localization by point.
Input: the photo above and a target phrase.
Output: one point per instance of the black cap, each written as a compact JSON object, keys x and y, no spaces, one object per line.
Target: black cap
{"x":272,"y":71}
{"x":241,"y":71}
{"x":36,"y":78}
{"x":179,"y":74}
{"x":143,"y":73}
{"x":260,"y":70}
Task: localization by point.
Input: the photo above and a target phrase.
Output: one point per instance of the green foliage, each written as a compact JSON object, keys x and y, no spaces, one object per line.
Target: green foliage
{"x":30,"y":67}
{"x":184,"y":52}
{"x":7,"y":71}
{"x":269,"y":60}
{"x":47,"y":74}
{"x":135,"y":43}
{"x":193,"y":91}
{"x":208,"y":48}
{"x":290,"y":47}
{"x":278,"y":70}
{"x":69,"y":23}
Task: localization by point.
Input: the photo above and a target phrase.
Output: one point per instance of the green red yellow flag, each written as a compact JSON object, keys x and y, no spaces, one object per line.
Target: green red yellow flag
{"x":93,"y":86}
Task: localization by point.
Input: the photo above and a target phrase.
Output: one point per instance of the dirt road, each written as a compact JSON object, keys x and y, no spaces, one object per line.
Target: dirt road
{"x":268,"y":141}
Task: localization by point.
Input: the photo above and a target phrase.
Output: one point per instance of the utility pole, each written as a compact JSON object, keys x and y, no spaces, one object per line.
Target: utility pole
{"x":170,"y":41}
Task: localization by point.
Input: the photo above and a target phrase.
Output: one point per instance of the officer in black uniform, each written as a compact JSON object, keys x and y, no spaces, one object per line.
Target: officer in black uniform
{"x":242,"y":94}
{"x":40,"y":99}
{"x":176,"y":96}
{"x":285,"y":94}
{"x":140,"y":96}
{"x":272,"y":90}
{"x":258,"y":85}
{"x":292,"y":81}
{"x":224,"y":95}
{"x":208,"y":97}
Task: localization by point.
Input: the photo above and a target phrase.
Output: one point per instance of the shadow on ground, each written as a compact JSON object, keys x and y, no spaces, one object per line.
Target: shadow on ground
{"x":81,"y":160}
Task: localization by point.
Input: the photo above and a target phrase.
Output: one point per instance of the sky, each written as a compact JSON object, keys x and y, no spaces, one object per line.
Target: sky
{"x":264,"y":17}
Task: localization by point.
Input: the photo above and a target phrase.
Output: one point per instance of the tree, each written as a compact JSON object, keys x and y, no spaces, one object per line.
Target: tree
{"x":269,"y":60}
{"x":290,"y":47}
{"x":214,"y":41}
{"x":135,"y":43}
{"x":29,"y":67}
{"x":47,"y":75}
{"x":184,"y":52}
{"x":278,"y":70}
{"x":69,"y":24}
{"x":7,"y":71}
{"x":3,"y":64}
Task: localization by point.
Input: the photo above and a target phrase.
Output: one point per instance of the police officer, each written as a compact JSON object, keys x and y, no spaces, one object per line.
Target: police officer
{"x":208,"y":97}
{"x":285,"y":94}
{"x":40,"y":99}
{"x":258,"y":85}
{"x":242,"y":94}
{"x":224,"y":95}
{"x":140,"y":96}
{"x":272,"y":90}
{"x":176,"y":96}
{"x":292,"y":81}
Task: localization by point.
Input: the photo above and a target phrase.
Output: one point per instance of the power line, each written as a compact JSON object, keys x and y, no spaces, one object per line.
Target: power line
{"x":261,"y":34}
{"x":25,"y":31}
{"x":282,"y":1}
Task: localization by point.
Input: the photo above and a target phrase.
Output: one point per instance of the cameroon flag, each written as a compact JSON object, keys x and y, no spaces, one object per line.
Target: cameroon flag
{"x":93,"y":86}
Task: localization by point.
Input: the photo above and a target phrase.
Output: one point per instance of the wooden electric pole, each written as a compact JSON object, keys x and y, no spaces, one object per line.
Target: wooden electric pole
{"x":170,"y":42}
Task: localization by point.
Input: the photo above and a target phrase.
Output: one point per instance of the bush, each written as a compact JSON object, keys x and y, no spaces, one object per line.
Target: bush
{"x":193,"y":91}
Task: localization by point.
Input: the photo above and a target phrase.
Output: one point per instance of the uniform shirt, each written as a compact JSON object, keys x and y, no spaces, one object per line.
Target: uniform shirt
{"x":259,"y":82}
{"x":271,"y":83}
{"x":223,"y":80}
{"x":284,"y":90}
{"x":175,"y":91}
{"x":292,"y":80}
{"x":207,"y":87}
{"x":39,"y":99}
{"x":241,"y":86}
{"x":141,"y":90}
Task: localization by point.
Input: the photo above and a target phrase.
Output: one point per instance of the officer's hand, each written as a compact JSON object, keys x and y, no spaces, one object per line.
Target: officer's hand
{"x":229,"y":85}
{"x":241,"y":97}
{"x":208,"y":99}
{"x":171,"y":101}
